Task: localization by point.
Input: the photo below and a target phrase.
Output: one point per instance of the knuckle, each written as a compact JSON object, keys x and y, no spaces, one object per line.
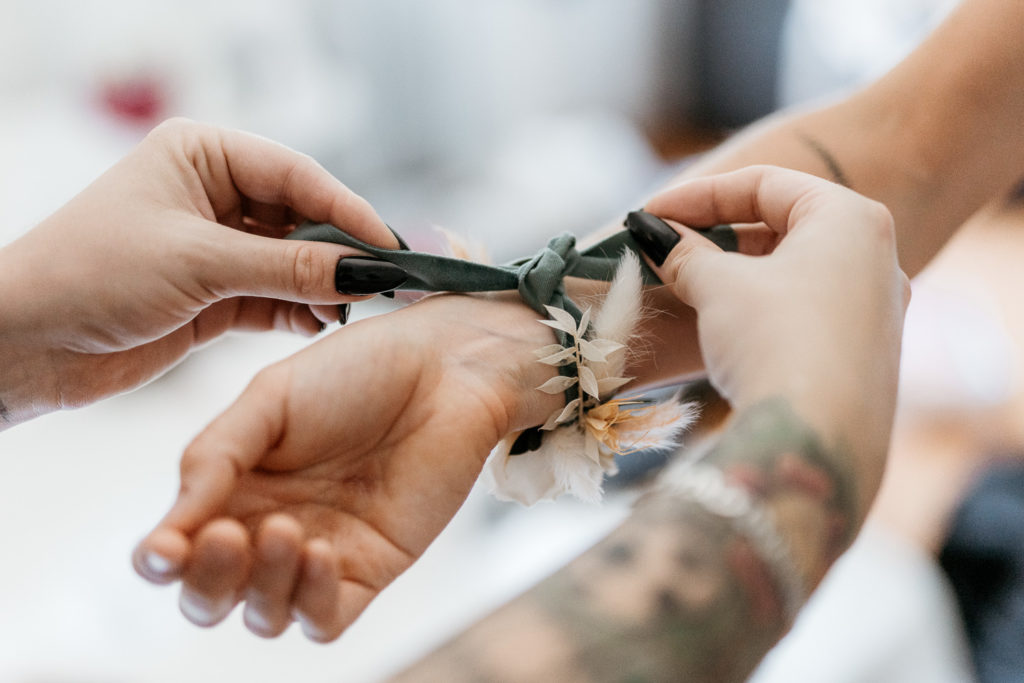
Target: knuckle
{"x":309,"y":272}
{"x":176,"y":126}
{"x":193,"y":459}
{"x":880,"y":221}
{"x":907,"y":290}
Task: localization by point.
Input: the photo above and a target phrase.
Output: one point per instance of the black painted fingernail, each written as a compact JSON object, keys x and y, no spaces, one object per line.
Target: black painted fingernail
{"x":655,"y":236}
{"x":343,"y":311}
{"x":323,"y":326}
{"x":388,"y":295}
{"x":359,"y":275}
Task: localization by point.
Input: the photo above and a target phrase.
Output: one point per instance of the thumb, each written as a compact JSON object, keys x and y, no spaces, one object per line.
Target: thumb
{"x":211,"y":467}
{"x":292,"y":270}
{"x":679,"y":255}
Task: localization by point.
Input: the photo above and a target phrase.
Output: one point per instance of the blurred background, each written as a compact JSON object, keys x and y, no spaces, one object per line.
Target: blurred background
{"x":505,"y":121}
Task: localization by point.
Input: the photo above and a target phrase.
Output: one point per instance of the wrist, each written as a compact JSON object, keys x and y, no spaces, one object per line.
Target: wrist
{"x":17,"y":369}
{"x":495,"y":336}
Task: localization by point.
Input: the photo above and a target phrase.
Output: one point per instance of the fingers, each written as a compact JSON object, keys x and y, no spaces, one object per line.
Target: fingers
{"x":161,"y":557}
{"x":229,"y":447}
{"x":325,"y":604}
{"x":275,"y":572}
{"x":677,"y":254}
{"x":270,"y":173}
{"x":210,"y":468}
{"x":237,"y":168}
{"x":216,"y":573}
{"x":235,"y":263}
{"x":774,"y":196}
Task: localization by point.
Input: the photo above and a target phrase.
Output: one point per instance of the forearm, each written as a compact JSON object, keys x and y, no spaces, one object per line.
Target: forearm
{"x":26,"y":386}
{"x":679,"y":592}
{"x":933,"y":140}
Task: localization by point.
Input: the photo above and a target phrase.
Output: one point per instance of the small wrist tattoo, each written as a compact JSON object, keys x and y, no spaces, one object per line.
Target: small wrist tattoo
{"x":829,"y":160}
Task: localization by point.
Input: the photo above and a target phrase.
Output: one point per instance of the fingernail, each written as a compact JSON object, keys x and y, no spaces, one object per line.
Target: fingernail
{"x":312,"y":632}
{"x":255,"y":620}
{"x":323,"y":326}
{"x":343,"y":311}
{"x":655,"y":236}
{"x":359,"y":275}
{"x":157,"y":564}
{"x":199,"y":610}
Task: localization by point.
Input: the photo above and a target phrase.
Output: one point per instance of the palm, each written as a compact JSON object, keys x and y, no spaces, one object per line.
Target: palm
{"x":353,"y":454}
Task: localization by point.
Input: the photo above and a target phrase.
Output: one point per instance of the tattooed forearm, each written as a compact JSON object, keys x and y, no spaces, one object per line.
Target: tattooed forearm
{"x":677,"y":592}
{"x":827,"y":157}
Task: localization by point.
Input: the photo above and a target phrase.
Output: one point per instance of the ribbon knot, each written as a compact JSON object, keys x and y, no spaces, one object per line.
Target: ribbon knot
{"x":541,"y":276}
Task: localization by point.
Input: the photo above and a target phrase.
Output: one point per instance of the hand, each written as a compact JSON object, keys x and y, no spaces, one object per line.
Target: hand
{"x":337,"y":467}
{"x":824,"y":304}
{"x":168,"y":249}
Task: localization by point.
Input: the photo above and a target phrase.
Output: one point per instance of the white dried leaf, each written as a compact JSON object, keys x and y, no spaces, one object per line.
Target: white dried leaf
{"x":546,"y":351}
{"x":607,"y":346}
{"x":557,"y":385}
{"x":563,"y":415}
{"x":563,"y":357}
{"x":608,"y":385}
{"x":563,"y":317}
{"x":559,"y":325}
{"x":592,"y":352}
{"x":551,"y":422}
{"x":584,"y":324}
{"x":588,"y":382}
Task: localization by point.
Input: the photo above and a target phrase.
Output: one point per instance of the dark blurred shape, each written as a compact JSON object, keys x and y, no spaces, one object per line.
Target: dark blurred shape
{"x":984,"y":559}
{"x":737,"y":60}
{"x":721,"y":60}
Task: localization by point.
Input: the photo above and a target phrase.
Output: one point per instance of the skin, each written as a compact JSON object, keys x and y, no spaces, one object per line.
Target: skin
{"x":167,"y":250}
{"x":335,"y":483}
{"x":672,"y":594}
{"x":932,"y":165}
{"x":934,"y":140}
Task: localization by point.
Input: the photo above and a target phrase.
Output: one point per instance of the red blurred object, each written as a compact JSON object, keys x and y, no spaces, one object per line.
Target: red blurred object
{"x":140,"y":99}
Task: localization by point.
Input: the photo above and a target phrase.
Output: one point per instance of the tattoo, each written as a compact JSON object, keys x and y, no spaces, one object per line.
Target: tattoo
{"x":677,"y":592}
{"x":830,"y":161}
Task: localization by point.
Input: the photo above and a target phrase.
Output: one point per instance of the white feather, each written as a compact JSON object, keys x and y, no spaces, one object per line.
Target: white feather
{"x":620,"y":312}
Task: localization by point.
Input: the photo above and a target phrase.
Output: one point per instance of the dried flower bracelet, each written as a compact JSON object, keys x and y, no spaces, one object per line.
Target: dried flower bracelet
{"x":576,"y":446}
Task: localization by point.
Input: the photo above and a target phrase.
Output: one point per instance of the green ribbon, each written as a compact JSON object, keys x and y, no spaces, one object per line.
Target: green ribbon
{"x":539,"y":279}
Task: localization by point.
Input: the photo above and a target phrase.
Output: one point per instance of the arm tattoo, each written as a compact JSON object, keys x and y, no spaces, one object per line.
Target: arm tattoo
{"x":675,"y":593}
{"x":830,"y":161}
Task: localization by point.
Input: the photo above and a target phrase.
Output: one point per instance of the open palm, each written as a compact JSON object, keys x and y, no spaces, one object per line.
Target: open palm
{"x":336,"y":468}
